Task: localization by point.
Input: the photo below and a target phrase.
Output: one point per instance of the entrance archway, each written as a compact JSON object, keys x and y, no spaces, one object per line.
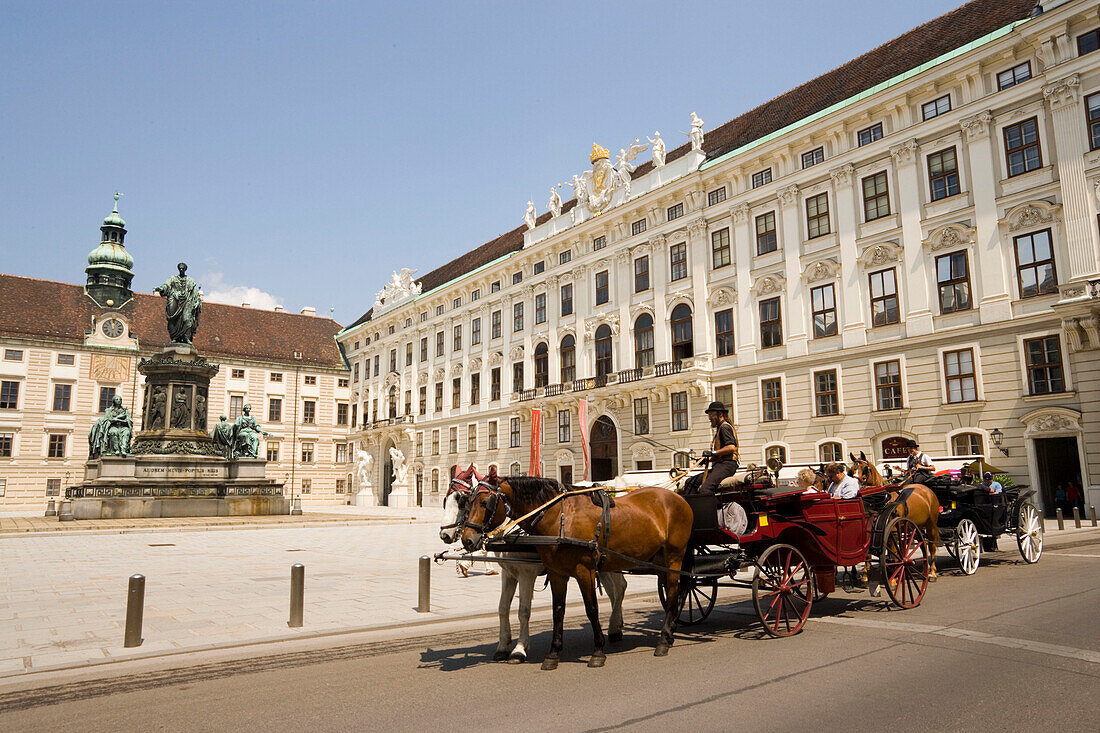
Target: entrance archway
{"x":604,"y":448}
{"x":387,"y":476}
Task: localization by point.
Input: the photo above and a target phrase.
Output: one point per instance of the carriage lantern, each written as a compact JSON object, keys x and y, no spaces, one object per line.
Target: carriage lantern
{"x":998,"y":437}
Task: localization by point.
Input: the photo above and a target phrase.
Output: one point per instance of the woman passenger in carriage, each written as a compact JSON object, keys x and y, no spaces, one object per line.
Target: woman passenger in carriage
{"x":723,"y":456}
{"x":843,"y":486}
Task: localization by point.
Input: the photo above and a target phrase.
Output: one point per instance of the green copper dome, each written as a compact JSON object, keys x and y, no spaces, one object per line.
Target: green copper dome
{"x":111,"y":255}
{"x":114,"y":220}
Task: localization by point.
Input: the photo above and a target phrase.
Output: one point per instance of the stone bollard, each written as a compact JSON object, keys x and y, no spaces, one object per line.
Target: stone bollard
{"x":424,"y":592}
{"x":65,"y":513}
{"x":1092,"y":515}
{"x":1061,"y":519}
{"x":296,"y":510}
{"x":135,"y":609}
{"x":1076,"y":518}
{"x":51,"y":509}
{"x":297,"y":594}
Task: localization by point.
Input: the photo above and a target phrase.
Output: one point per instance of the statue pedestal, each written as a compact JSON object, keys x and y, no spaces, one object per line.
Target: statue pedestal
{"x":177,"y":385}
{"x":401,"y":494}
{"x":365,"y":497}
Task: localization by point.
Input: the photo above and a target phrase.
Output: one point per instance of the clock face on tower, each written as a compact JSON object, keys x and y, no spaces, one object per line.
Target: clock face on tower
{"x":113,"y":328}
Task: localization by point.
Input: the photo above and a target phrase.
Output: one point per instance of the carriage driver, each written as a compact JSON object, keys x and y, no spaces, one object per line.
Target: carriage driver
{"x":919,"y":466}
{"x":723,"y":457}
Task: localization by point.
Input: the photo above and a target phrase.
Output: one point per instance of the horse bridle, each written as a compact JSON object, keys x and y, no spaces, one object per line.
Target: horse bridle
{"x":458,"y":486}
{"x":496,"y":496}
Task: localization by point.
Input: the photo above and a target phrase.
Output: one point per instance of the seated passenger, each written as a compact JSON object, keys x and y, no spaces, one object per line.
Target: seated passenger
{"x":843,"y":486}
{"x":806,"y":480}
{"x":723,"y":457}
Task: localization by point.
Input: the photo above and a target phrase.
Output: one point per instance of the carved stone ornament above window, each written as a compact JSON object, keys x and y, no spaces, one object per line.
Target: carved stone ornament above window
{"x":1047,"y":420}
{"x":440,"y":372}
{"x":697,"y":227}
{"x":475,"y":364}
{"x":843,"y":174}
{"x":741,"y":213}
{"x":950,"y":235}
{"x":767,"y":284}
{"x":456,"y":368}
{"x":639,"y":309}
{"x":826,"y":269}
{"x":422,"y":378}
{"x":977,"y":127}
{"x":516,"y":353}
{"x":788,"y":196}
{"x":725,"y":295}
{"x":906,"y":152}
{"x":1063,"y":91}
{"x":1031,"y":214}
{"x":679,"y":295}
{"x":591,"y":324}
{"x":495,"y":358}
{"x":883,"y":253}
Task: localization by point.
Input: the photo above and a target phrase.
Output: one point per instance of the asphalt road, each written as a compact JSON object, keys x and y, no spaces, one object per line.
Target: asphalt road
{"x":1014,"y":647}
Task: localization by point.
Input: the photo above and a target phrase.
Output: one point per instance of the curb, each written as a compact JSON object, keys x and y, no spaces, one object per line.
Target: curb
{"x":317,"y":524}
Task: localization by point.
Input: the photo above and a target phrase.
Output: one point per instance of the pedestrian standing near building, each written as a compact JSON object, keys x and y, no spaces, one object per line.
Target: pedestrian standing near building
{"x":1074,"y":497}
{"x":1060,"y":497}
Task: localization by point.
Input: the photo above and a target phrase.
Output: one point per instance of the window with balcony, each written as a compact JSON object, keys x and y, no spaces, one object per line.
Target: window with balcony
{"x":720,"y":248}
{"x":683,"y":346}
{"x":1022,"y":152}
{"x":723,"y":332}
{"x":823,"y":310}
{"x":542,"y":365}
{"x":643,"y":341}
{"x":771,"y":326}
{"x":568,"y":359}
{"x":884,"y":297}
{"x":953,"y":280}
{"x":604,"y":364}
{"x":1035,"y":271}
{"x":766,"y":240}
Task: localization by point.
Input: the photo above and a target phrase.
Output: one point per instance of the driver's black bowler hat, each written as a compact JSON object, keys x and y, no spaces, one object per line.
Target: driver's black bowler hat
{"x":716,"y":407}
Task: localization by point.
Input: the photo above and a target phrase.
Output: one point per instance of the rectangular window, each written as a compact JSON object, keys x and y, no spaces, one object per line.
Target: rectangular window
{"x":237,"y":374}
{"x":766,"y":240}
{"x":456,"y":338}
{"x":456,"y":393}
{"x":9,"y":395}
{"x":771,"y":391}
{"x":1016,"y":75}
{"x":1088,"y":42}
{"x":513,"y":432}
{"x":452,"y":439}
{"x":724,"y":393}
{"x":494,"y":384}
{"x":540,"y":308}
{"x":6,"y":442}
{"x":276,"y":376}
{"x":1044,"y":365}
{"x":602,"y":290}
{"x":471,"y":437}
{"x":440,"y":338}
{"x":307,"y":455}
{"x":424,"y":348}
{"x":57,"y":446}
{"x":958,"y":370}
{"x":494,"y":325}
{"x":517,"y":317}
{"x":723,"y":332}
{"x":341,"y":452}
{"x":675,"y":212}
{"x":435,"y":442}
{"x":408,"y":354}
{"x":817,"y":215}
{"x":393,"y":363}
{"x":341,"y":382}
{"x":310,"y":379}
{"x":517,"y":277}
{"x":823,"y":310}
{"x":475,"y":294}
{"x":540,"y":267}
{"x":275,"y":409}
{"x":309,"y":412}
{"x":943,"y":174}
{"x":355,"y":372}
{"x":1035,"y":272}
{"x":771,"y":327}
{"x":679,"y":410}
{"x":678,"y":260}
{"x":869,"y":134}
{"x":53,"y":487}
{"x":567,"y":299}
{"x":599,"y":242}
{"x":66,"y":359}
{"x":1092,"y":115}
{"x":439,"y":396}
{"x":1022,"y":147}
{"x":62,"y":397}
{"x":641,"y":415}
{"x":341,"y":413}
{"x":761,"y":178}
{"x":106,"y":395}
{"x":876,"y":197}
{"x":953,"y":278}
{"x":565,"y":256}
{"x":636,"y":227}
{"x":888,"y":385}
{"x":475,"y":388}
{"x":565,"y":427}
{"x":517,"y":376}
{"x":494,"y":287}
{"x":13,"y":355}
{"x":825,"y":393}
{"x":936,"y":107}
{"x":422,"y":407}
{"x":813,"y":157}
{"x":475,"y":332}
{"x":272,"y":452}
{"x":716,"y":196}
{"x":493,"y":435}
{"x":376,"y":369}
{"x":641,"y":274}
{"x":720,"y":248}
{"x":457,"y":302}
{"x":884,"y":298}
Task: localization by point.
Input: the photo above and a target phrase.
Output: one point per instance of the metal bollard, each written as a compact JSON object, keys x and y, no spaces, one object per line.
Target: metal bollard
{"x":297,"y":594}
{"x":296,"y":510}
{"x":1076,"y":518}
{"x":65,"y":513}
{"x":1061,"y":519}
{"x":135,"y":609}
{"x":1092,"y":515}
{"x":423,"y":599}
{"x":51,"y":509}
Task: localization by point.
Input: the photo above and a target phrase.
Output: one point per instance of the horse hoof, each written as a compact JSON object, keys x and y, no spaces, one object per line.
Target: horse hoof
{"x":517,"y":659}
{"x":597,"y":660}
{"x":549,"y":664}
{"x":933,"y":578}
{"x":661,"y":650}
{"x":500,"y":655}
{"x":615,"y":636}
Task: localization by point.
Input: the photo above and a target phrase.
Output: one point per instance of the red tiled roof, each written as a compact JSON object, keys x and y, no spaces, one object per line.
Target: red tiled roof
{"x":909,"y":50}
{"x":44,"y":309}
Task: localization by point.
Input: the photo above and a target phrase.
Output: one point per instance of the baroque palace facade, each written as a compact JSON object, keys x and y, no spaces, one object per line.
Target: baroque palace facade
{"x":66,"y":350}
{"x":905,"y":247}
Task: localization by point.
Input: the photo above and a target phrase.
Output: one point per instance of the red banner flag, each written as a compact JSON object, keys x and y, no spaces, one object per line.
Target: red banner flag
{"x":536,"y":446}
{"x":582,"y":418}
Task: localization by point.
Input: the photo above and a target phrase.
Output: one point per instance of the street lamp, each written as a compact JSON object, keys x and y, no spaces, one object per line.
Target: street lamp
{"x":998,"y":437}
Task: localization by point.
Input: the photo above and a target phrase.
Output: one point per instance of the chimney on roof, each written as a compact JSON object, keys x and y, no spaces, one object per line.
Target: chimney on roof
{"x":244,"y":305}
{"x":278,"y":309}
{"x":309,"y":310}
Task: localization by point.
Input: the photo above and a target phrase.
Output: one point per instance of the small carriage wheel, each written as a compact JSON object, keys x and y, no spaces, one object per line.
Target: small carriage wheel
{"x":905,"y":563}
{"x":968,"y":546}
{"x":699,"y":597}
{"x":1029,"y":533}
{"x":782,"y":590}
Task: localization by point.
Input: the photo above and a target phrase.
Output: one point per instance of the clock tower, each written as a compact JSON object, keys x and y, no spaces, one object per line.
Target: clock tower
{"x":110,"y":266}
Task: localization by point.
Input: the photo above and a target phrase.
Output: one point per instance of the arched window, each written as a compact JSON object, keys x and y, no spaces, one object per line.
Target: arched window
{"x":393,"y":401}
{"x":682,"y":345}
{"x":604,"y":363}
{"x":542,"y":365}
{"x":568,"y":359}
{"x":435,"y":480}
{"x":514,"y":469}
{"x":831,"y":452}
{"x":643,"y":341}
{"x":775,"y":451}
{"x":967,"y":444}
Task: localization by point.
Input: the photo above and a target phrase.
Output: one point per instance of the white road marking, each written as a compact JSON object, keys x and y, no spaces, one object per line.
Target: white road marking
{"x":1084,"y":655}
{"x":1070,"y":554}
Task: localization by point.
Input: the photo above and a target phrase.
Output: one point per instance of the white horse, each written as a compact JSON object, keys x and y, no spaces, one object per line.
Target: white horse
{"x":523,"y":575}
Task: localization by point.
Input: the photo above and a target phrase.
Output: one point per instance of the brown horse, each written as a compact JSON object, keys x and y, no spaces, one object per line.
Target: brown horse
{"x":647,"y":524}
{"x":922,"y":506}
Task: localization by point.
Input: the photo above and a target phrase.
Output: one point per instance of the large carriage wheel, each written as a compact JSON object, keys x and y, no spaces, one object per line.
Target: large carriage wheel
{"x":967,"y":546}
{"x":1029,"y":533}
{"x":782,"y":590}
{"x":904,"y":562}
{"x":699,"y":595}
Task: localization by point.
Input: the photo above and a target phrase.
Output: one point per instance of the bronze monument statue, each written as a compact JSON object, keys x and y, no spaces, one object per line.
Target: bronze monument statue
{"x":222,"y":436}
{"x":110,"y":435}
{"x":183,"y":306}
{"x":246,"y":435}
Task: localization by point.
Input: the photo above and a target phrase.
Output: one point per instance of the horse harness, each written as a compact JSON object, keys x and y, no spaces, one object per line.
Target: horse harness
{"x":496,"y":496}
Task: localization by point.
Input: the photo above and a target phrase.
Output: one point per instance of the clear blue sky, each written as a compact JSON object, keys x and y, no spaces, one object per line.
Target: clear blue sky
{"x":308,"y":149}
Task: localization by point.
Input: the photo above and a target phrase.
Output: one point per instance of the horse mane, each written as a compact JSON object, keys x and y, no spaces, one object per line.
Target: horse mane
{"x":533,"y":489}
